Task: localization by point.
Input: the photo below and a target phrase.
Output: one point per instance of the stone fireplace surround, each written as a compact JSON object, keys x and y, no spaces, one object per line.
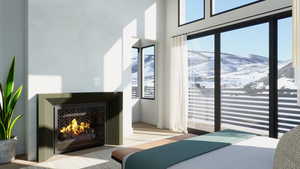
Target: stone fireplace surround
{"x":46,"y":114}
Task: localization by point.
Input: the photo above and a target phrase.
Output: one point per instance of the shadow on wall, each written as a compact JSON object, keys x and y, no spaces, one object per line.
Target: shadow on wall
{"x":85,"y":41}
{"x":12,"y":43}
{"x":136,"y":116}
{"x":82,"y":46}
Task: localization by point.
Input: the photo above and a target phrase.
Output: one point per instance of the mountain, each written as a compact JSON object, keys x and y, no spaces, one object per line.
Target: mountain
{"x":236,"y":71}
{"x":148,"y":70}
{"x":285,"y":77}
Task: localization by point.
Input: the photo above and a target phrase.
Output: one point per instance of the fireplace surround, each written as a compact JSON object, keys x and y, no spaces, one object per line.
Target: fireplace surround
{"x":73,"y":121}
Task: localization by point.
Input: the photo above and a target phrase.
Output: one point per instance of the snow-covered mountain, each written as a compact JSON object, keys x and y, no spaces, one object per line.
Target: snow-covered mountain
{"x":148,"y":70}
{"x":236,"y":71}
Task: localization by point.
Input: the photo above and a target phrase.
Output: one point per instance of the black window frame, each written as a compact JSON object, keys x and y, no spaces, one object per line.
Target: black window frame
{"x":273,"y":69}
{"x":179,"y":14}
{"x":142,"y":72}
{"x":232,"y":9}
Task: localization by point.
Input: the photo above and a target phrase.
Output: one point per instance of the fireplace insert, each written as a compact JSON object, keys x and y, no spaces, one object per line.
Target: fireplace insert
{"x":78,"y":126}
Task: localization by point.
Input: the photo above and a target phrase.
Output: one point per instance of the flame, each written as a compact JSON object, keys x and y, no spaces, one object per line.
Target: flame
{"x":74,"y":128}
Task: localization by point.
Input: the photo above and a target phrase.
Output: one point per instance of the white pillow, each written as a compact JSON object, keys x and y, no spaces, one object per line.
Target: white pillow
{"x":287,"y":155}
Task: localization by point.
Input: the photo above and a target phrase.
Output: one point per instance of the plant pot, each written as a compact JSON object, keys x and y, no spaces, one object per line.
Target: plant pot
{"x":7,"y":150}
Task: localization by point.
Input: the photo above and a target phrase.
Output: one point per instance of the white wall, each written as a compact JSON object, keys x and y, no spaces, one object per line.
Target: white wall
{"x":136,"y":110}
{"x":149,"y":112}
{"x":84,"y":46}
{"x":150,"y":108}
{"x":12,"y":43}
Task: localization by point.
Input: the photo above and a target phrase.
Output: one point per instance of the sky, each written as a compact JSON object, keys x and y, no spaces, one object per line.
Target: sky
{"x":195,"y":7}
{"x":244,"y":41}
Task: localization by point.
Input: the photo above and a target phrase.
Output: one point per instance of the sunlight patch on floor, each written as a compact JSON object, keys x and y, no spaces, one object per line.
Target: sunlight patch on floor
{"x":72,"y":162}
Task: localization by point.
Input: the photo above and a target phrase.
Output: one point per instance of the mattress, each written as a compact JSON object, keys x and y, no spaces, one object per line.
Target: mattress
{"x":254,"y":153}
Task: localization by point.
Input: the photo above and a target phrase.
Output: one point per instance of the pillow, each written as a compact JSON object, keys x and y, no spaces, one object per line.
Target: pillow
{"x":287,"y":155}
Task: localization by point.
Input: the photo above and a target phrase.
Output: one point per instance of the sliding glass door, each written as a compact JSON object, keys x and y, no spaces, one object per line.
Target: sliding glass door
{"x":245,"y":79}
{"x":241,"y":77}
{"x":201,"y":58}
{"x":288,"y":110}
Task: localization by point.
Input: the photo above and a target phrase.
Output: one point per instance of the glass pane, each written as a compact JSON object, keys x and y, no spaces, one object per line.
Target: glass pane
{"x":148,"y":72}
{"x":191,"y":10}
{"x":201,"y":83}
{"x":134,"y":72}
{"x":225,"y":5}
{"x":245,"y":80}
{"x":288,"y":110}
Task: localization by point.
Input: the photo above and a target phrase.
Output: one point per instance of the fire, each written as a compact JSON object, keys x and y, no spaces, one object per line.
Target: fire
{"x":74,"y":128}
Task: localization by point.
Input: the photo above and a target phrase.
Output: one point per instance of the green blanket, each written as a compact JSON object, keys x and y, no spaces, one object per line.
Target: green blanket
{"x":165,"y":156}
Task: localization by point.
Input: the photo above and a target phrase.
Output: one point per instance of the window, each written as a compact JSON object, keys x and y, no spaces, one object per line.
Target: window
{"x":190,"y":11}
{"x":244,"y":94}
{"x":201,"y":58}
{"x":220,"y":6}
{"x":288,"y":110}
{"x":245,"y":79}
{"x":148,"y":72}
{"x":134,"y":72}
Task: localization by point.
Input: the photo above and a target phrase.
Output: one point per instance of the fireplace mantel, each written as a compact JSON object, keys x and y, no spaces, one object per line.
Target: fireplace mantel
{"x":45,"y":117}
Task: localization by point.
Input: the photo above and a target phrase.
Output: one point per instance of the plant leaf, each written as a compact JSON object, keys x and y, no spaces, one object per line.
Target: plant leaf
{"x":13,"y":101}
{"x":1,"y":102}
{"x":2,"y":131}
{"x":11,"y":126}
{"x":8,"y":101}
{"x":10,"y":79}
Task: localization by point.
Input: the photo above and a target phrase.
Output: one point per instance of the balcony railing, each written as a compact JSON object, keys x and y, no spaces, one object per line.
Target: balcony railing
{"x":148,"y":93}
{"x":241,"y":109}
{"x":134,"y":93}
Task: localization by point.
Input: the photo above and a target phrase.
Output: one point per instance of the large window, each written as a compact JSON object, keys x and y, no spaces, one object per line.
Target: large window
{"x":288,"y":110}
{"x":220,"y":6}
{"x":148,"y":72}
{"x":245,"y":79}
{"x":241,"y":76}
{"x":201,"y":58}
{"x":134,"y":72}
{"x":190,"y":11}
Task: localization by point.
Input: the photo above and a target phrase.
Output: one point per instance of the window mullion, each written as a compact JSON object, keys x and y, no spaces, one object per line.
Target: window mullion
{"x":217,"y":82}
{"x":273,"y":82}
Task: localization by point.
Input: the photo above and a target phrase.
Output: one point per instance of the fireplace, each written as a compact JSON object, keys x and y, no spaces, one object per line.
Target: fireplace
{"x":78,"y":126}
{"x":74,"y":121}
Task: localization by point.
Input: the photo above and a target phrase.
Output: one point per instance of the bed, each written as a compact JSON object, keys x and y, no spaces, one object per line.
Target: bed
{"x":254,"y":152}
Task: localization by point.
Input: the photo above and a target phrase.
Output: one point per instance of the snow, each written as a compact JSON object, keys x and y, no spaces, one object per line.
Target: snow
{"x":236,"y":71}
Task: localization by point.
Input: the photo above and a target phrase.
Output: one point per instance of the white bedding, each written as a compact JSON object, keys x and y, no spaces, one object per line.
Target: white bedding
{"x":254,"y":153}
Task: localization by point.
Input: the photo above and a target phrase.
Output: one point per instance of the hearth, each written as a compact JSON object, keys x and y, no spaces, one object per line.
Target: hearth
{"x":78,"y":126}
{"x":74,"y":121}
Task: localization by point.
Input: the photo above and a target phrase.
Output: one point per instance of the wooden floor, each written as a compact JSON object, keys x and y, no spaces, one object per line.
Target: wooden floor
{"x":142,"y":133}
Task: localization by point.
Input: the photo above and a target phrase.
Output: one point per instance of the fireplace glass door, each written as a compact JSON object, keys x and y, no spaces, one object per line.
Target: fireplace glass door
{"x":79,"y":126}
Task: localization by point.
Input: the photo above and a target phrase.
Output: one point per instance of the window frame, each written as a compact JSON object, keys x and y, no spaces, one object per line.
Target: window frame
{"x":142,"y":73}
{"x":273,"y":62}
{"x":232,"y":9}
{"x":179,"y":14}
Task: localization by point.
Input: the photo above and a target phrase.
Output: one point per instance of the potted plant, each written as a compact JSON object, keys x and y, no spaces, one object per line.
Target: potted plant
{"x":8,"y":100}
